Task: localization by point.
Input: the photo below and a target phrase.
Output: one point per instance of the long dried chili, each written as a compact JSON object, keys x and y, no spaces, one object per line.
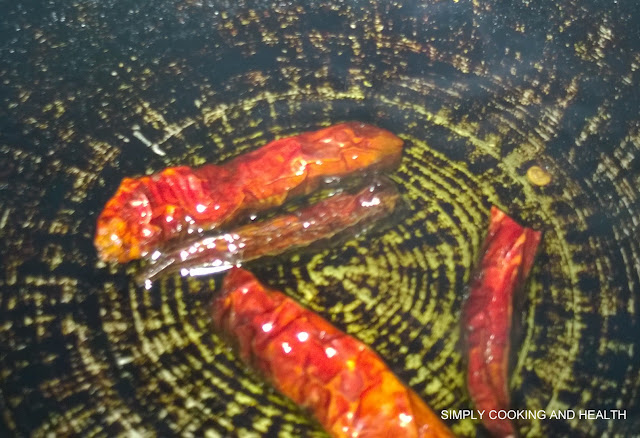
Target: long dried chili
{"x":344,"y":383}
{"x":148,"y":211}
{"x":507,"y":257}
{"x":343,"y":212}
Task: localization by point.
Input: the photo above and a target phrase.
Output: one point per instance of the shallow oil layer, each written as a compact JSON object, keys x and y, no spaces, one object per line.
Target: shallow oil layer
{"x":108,"y":93}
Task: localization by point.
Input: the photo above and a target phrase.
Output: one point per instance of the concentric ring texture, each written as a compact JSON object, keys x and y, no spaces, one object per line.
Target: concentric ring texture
{"x":97,"y":91}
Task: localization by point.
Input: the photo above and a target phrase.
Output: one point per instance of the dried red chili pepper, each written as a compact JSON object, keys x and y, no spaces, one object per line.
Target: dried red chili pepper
{"x":148,"y":211}
{"x":340,"y":213}
{"x":344,"y":383}
{"x":508,"y":253}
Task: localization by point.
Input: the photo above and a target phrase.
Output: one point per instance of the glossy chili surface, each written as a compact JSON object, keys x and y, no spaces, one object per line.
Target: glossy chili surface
{"x":341,"y":213}
{"x":507,"y":257}
{"x":148,"y":211}
{"x":345,"y":384}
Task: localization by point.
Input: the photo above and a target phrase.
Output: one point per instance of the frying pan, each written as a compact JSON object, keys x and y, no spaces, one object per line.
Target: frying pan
{"x":480,"y":91}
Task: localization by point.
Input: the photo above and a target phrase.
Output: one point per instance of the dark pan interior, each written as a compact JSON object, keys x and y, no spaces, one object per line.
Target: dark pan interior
{"x":92,"y":92}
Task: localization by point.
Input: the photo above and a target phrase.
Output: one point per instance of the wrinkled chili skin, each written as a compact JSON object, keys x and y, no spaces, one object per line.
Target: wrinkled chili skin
{"x":340,"y":213}
{"x":341,"y":381}
{"x":145,"y":212}
{"x":508,"y":254}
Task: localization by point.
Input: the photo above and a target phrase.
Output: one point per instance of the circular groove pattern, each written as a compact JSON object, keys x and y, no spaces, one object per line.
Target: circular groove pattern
{"x":479,"y":92}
